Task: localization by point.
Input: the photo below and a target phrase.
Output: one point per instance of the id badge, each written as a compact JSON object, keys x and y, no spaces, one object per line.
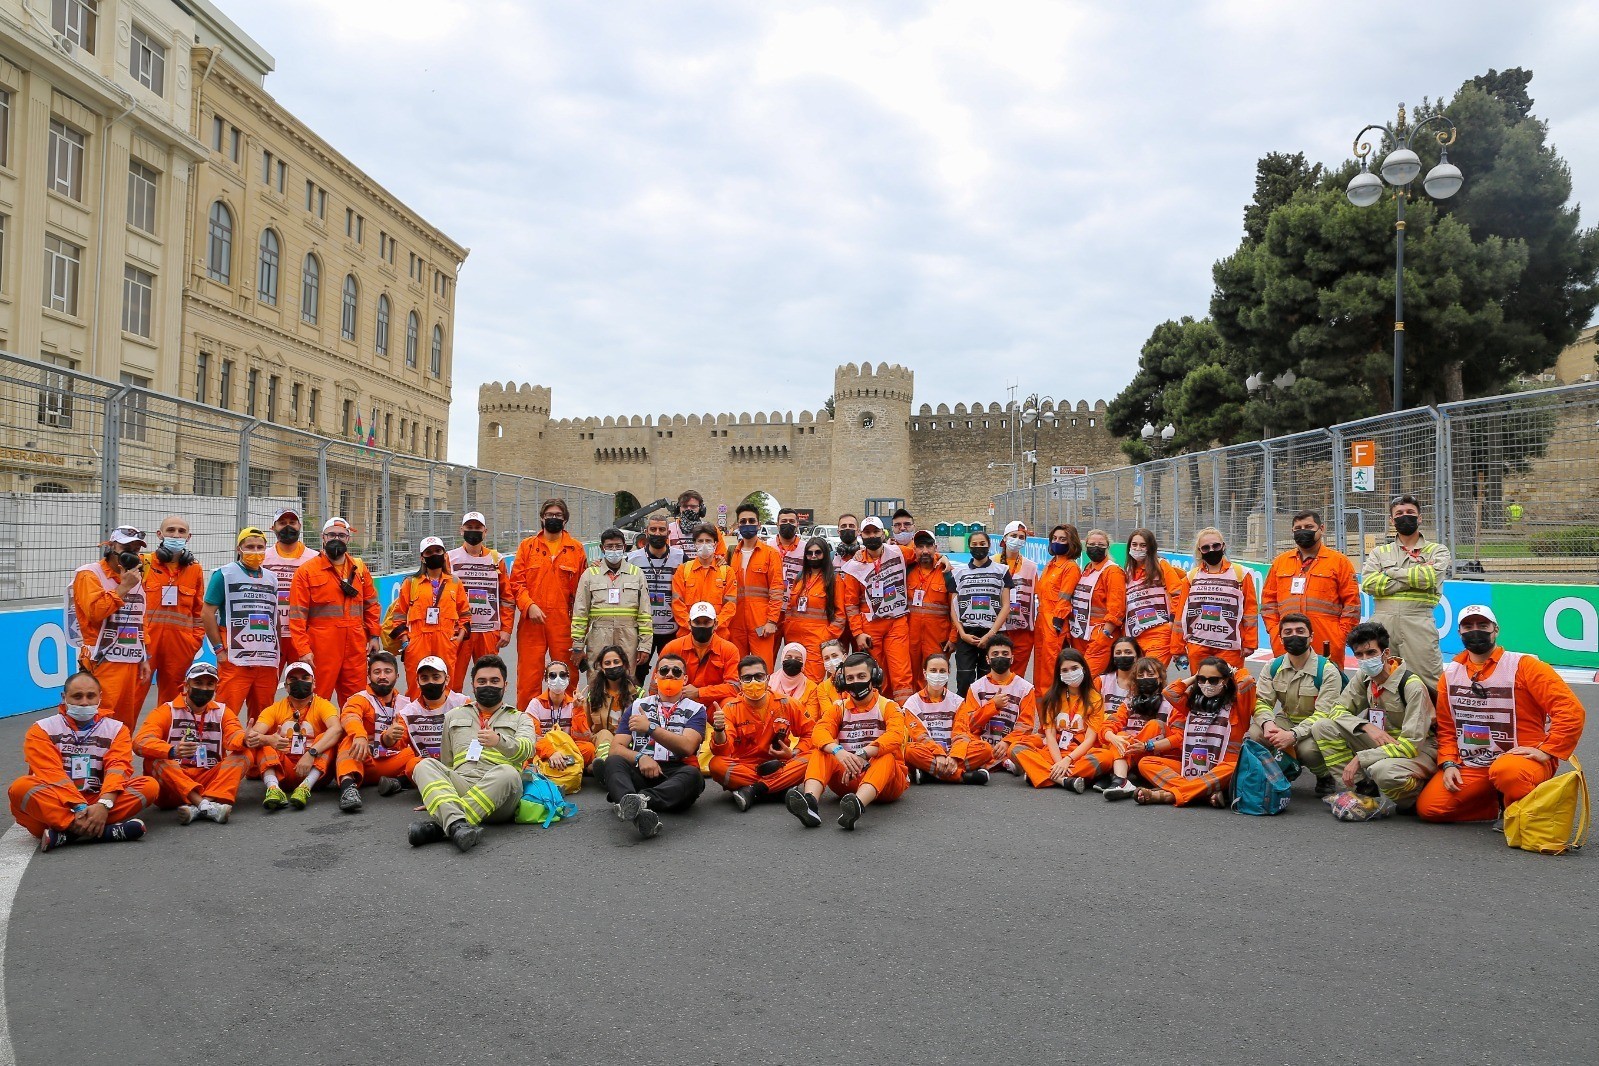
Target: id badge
{"x":1377,"y":717}
{"x":297,"y":745}
{"x":474,"y":750}
{"x":433,"y":616}
{"x":917,"y":597}
{"x":1297,"y":586}
{"x":81,"y":766}
{"x":202,"y":757}
{"x":661,"y":753}
{"x":800,"y":607}
{"x":875,"y":590}
{"x":1015,"y":597}
{"x":169,"y":596}
{"x":613,"y":595}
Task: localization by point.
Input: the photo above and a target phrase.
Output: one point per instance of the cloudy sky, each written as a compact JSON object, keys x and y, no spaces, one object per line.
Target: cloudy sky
{"x":706,"y":206}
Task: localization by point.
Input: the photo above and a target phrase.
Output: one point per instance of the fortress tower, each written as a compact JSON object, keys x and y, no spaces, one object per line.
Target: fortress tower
{"x":511,"y":423}
{"x":871,"y":435}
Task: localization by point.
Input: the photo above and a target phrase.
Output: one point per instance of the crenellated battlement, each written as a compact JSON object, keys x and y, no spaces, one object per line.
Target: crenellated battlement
{"x":493,"y":397}
{"x":1050,"y":411}
{"x":887,"y":381}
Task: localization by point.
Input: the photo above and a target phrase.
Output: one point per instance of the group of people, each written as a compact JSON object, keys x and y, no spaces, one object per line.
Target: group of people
{"x":781,"y":669}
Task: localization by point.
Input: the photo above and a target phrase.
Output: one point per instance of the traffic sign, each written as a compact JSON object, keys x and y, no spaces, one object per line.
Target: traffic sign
{"x":1363,"y":466}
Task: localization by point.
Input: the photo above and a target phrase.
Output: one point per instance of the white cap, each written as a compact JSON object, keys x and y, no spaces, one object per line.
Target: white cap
{"x":125,"y":535}
{"x":335,"y":523}
{"x":300,"y":668}
{"x":870,"y":522}
{"x":433,"y":662}
{"x":1015,"y":527}
{"x":430,"y":542}
{"x":1477,"y":610}
{"x":701,"y":610}
{"x":474,"y":516}
{"x":295,"y":511}
{"x":200,"y":669}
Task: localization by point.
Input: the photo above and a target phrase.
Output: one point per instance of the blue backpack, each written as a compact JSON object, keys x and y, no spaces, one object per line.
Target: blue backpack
{"x":1259,"y":785}
{"x":543,"y":802}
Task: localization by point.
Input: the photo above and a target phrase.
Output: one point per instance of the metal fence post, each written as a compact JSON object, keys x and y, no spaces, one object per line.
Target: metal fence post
{"x":110,"y":459}
{"x":241,"y":498}
{"x":323,"y":503}
{"x":1446,"y":471}
{"x":1440,"y":479}
{"x":1268,"y":495}
{"x":386,"y":511}
{"x":1176,"y":502}
{"x":1340,"y":473}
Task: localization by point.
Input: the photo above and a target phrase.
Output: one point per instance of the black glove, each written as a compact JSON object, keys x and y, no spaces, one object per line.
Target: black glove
{"x":583,"y":665}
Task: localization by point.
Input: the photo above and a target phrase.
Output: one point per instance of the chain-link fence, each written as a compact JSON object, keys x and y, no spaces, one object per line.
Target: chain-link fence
{"x":79,"y":455}
{"x":1510,"y":483}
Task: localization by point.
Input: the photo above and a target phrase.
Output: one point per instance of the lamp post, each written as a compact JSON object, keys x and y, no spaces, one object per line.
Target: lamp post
{"x":1399,"y":168}
{"x":1157,"y":442}
{"x":1033,"y":415}
{"x":1257,"y":381}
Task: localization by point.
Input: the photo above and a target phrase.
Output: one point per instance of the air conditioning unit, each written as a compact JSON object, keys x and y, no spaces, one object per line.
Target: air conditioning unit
{"x":64,"y":44}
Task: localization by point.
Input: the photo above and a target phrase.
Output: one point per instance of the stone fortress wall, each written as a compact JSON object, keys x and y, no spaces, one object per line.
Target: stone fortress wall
{"x":876,"y":444}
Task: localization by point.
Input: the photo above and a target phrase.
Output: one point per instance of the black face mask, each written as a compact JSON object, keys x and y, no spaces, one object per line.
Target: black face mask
{"x":1406,"y":525}
{"x":979,"y":552}
{"x":792,"y":667}
{"x":432,"y":690}
{"x":860,"y":689}
{"x":300,"y":689}
{"x":335,"y":549}
{"x":786,"y":530}
{"x":1214,"y":556}
{"x":1305,"y":538}
{"x":814,"y":564}
{"x":688,"y":515}
{"x":657,"y":540}
{"x":847,"y":536}
{"x":128,"y":560}
{"x":288,"y":535}
{"x":1122,"y":662}
{"x":614,"y":673}
{"x":199,"y":697}
{"x":1000,"y":664}
{"x":1096,"y":553}
{"x":1296,"y":645}
{"x":554,"y":524}
{"x":872,"y":543}
{"x":1479,"y":641}
{"x":702,"y":634}
{"x":380,"y":688}
{"x":488,"y":695}
{"x":1148,"y":686}
{"x":473,"y":536}
{"x":433,"y":562}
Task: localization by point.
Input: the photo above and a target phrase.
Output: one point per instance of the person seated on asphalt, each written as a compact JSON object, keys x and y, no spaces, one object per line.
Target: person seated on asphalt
{"x":995,"y":702}
{"x":834,"y":653}
{"x":1211,"y":718}
{"x":654,"y":766}
{"x":557,"y":707}
{"x":858,"y":747}
{"x":290,"y":747}
{"x":423,"y":714}
{"x":194,"y":746}
{"x":376,"y":747}
{"x":607,"y":702}
{"x":1055,"y":744}
{"x":1381,"y":734}
{"x":1116,"y":683}
{"x":80,"y":787}
{"x":791,"y":681}
{"x":1137,"y":728}
{"x":1505,"y":720}
{"x":477,"y":777}
{"x":754,"y":737}
{"x":933,"y":750}
{"x":1298,"y":689}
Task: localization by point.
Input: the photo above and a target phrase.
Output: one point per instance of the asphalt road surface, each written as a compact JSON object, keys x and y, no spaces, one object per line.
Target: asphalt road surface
{"x":991,"y":924}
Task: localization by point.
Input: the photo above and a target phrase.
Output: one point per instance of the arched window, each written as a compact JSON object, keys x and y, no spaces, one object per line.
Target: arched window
{"x":436,"y":360}
{"x":311,"y":290}
{"x":347,"y":319}
{"x":412,"y":329}
{"x":219,"y":244}
{"x":868,"y":420}
{"x":267,"y":281}
{"x":382,"y":342}
{"x":50,"y":486}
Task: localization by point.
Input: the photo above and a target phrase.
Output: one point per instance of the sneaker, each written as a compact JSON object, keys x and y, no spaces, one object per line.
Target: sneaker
{"x":744,"y":798}
{"x":424,"y":831}
{"x":132,"y":829}
{"x":1120,"y":789}
{"x":350,"y":798}
{"x":975,"y":777}
{"x":275,"y":799}
{"x":464,"y":835}
{"x":52,"y":839}
{"x":300,"y":797}
{"x":1011,"y":766}
{"x":1327,"y":785}
{"x":187,"y":814}
{"x":850,"y":810}
{"x":388,"y":786}
{"x":648,"y":823}
{"x":770,"y":766}
{"x":802,"y":807}
{"x":632,"y":805}
{"x":917,"y":777}
{"x":216,"y":812}
{"x":1078,"y":785}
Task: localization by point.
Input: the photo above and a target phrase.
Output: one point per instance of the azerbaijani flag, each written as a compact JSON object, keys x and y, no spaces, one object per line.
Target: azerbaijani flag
{"x":360,"y":434}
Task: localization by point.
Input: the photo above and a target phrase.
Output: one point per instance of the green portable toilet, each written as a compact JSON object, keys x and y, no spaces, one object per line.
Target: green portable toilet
{"x":957,"y":538}
{"x":975,"y":527}
{"x":941,"y":536}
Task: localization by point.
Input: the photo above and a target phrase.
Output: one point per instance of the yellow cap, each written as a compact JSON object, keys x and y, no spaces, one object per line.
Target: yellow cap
{"x":246,"y":532}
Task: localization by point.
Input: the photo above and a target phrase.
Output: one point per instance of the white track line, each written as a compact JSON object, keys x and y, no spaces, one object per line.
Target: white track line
{"x":17,"y":846}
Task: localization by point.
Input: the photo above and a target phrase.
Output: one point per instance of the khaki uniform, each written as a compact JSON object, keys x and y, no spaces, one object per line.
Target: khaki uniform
{"x":1402,"y":707}
{"x":482,"y":789}
{"x":612,"y":607}
{"x":1405,"y":585}
{"x":1295,"y":699}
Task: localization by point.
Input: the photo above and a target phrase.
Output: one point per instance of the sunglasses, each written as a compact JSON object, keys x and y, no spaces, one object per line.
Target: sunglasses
{"x":1478,"y":690}
{"x":556,"y":677}
{"x":1207,"y":680}
{"x":1212,"y":547}
{"x":669,"y":671}
{"x":754,"y":677}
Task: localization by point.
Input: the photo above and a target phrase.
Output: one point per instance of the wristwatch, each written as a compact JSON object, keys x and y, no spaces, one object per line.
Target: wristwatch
{"x":107,"y":802}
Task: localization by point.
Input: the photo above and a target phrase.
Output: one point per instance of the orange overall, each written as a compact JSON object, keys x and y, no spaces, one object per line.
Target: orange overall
{"x":1323,"y":588}
{"x":571,"y":716}
{"x":759,"y":581}
{"x":1220,"y":616}
{"x":330,"y":628}
{"x":1056,"y":583}
{"x":877,"y":607}
{"x":1099,"y":603}
{"x":113,"y":632}
{"x":1023,"y":608}
{"x":1070,"y":724}
{"x":367,"y":716}
{"x":301,"y":730}
{"x":490,"y":603}
{"x":217,"y":767}
{"x":855,"y":727}
{"x":1518,"y":701}
{"x":546,"y":577}
{"x":1206,"y":746}
{"x":701,"y":582}
{"x":69,"y":766}
{"x":713,"y":670}
{"x":173,"y":599}
{"x":982,"y":726}
{"x":435,"y":613}
{"x":931,"y":631}
{"x":1150,"y":612}
{"x":931,"y":734}
{"x":753,"y":738}
{"x":805,"y":622}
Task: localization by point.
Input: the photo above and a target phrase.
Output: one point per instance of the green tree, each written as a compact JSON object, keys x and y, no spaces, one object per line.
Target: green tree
{"x":1158,"y":395}
{"x":762,"y":500}
{"x":625,"y":502}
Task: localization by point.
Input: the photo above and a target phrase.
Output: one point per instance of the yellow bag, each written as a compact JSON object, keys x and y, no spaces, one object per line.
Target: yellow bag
{"x":1552,"y":819}
{"x":570,"y":779}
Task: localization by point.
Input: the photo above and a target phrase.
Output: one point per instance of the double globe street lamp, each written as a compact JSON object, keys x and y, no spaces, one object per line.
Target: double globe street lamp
{"x":1399,"y":168}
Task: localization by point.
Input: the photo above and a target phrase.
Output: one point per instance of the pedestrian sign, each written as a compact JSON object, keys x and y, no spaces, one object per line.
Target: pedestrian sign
{"x":1363,"y":466}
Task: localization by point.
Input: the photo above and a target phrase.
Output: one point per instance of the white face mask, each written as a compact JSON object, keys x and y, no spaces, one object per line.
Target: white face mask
{"x":1072,"y":677}
{"x":1137,"y":553}
{"x":1015,"y":544}
{"x":614,"y":556}
{"x":831,"y":665}
{"x":705,"y":551}
{"x":1371,"y":667}
{"x":557,"y":685}
{"x":904,"y":537}
{"x":81,"y":714}
{"x":937,"y":679}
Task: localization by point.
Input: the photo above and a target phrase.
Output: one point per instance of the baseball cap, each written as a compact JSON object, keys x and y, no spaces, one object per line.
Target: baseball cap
{"x":433,"y":662}
{"x":1477,"y":610}
{"x":246,"y":533}
{"x":300,"y":668}
{"x":281,"y":515}
{"x":1015,"y":527}
{"x":337,"y":523}
{"x":924,"y":536}
{"x":701,"y":610}
{"x":474,"y":516}
{"x":871,"y":522}
{"x":125,"y":535}
{"x":430,"y":542}
{"x":200,"y":669}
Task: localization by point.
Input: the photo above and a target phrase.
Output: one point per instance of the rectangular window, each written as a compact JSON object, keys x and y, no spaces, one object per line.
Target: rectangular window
{"x":260,"y":481}
{"x":4,"y":221}
{"x":272,"y":398}
{"x":75,"y":21}
{"x":283,"y":177}
{"x":316,"y":401}
{"x":64,"y":161}
{"x":147,"y":61}
{"x":217,"y":128}
{"x":210,"y":477}
{"x":310,"y":195}
{"x":235,"y":143}
{"x":383,"y":245}
{"x":322,"y":204}
{"x":360,"y":229}
{"x":388,"y":430}
{"x":138,"y":287}
{"x":349,"y":221}
{"x":294,"y":403}
{"x":62,"y":261}
{"x":252,"y":386}
{"x":141,"y":197}
{"x":55,"y":392}
{"x":135,"y":412}
{"x":225,"y":386}
{"x":202,"y":376}
{"x":344,"y":418}
{"x":266,"y":168}
{"x":5,"y":128}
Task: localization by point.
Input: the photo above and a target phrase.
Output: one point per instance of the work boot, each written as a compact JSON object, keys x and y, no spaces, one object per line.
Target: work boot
{"x":132,"y":829}
{"x":276,"y":799}
{"x":464,"y":835}
{"x":388,"y":786}
{"x":51,"y":839}
{"x":648,"y":823}
{"x":850,"y":810}
{"x":744,"y":798}
{"x":350,"y":798}
{"x":802,"y":807}
{"x":424,"y":831}
{"x":187,"y":814}
{"x":975,"y":777}
{"x":1327,"y":784}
